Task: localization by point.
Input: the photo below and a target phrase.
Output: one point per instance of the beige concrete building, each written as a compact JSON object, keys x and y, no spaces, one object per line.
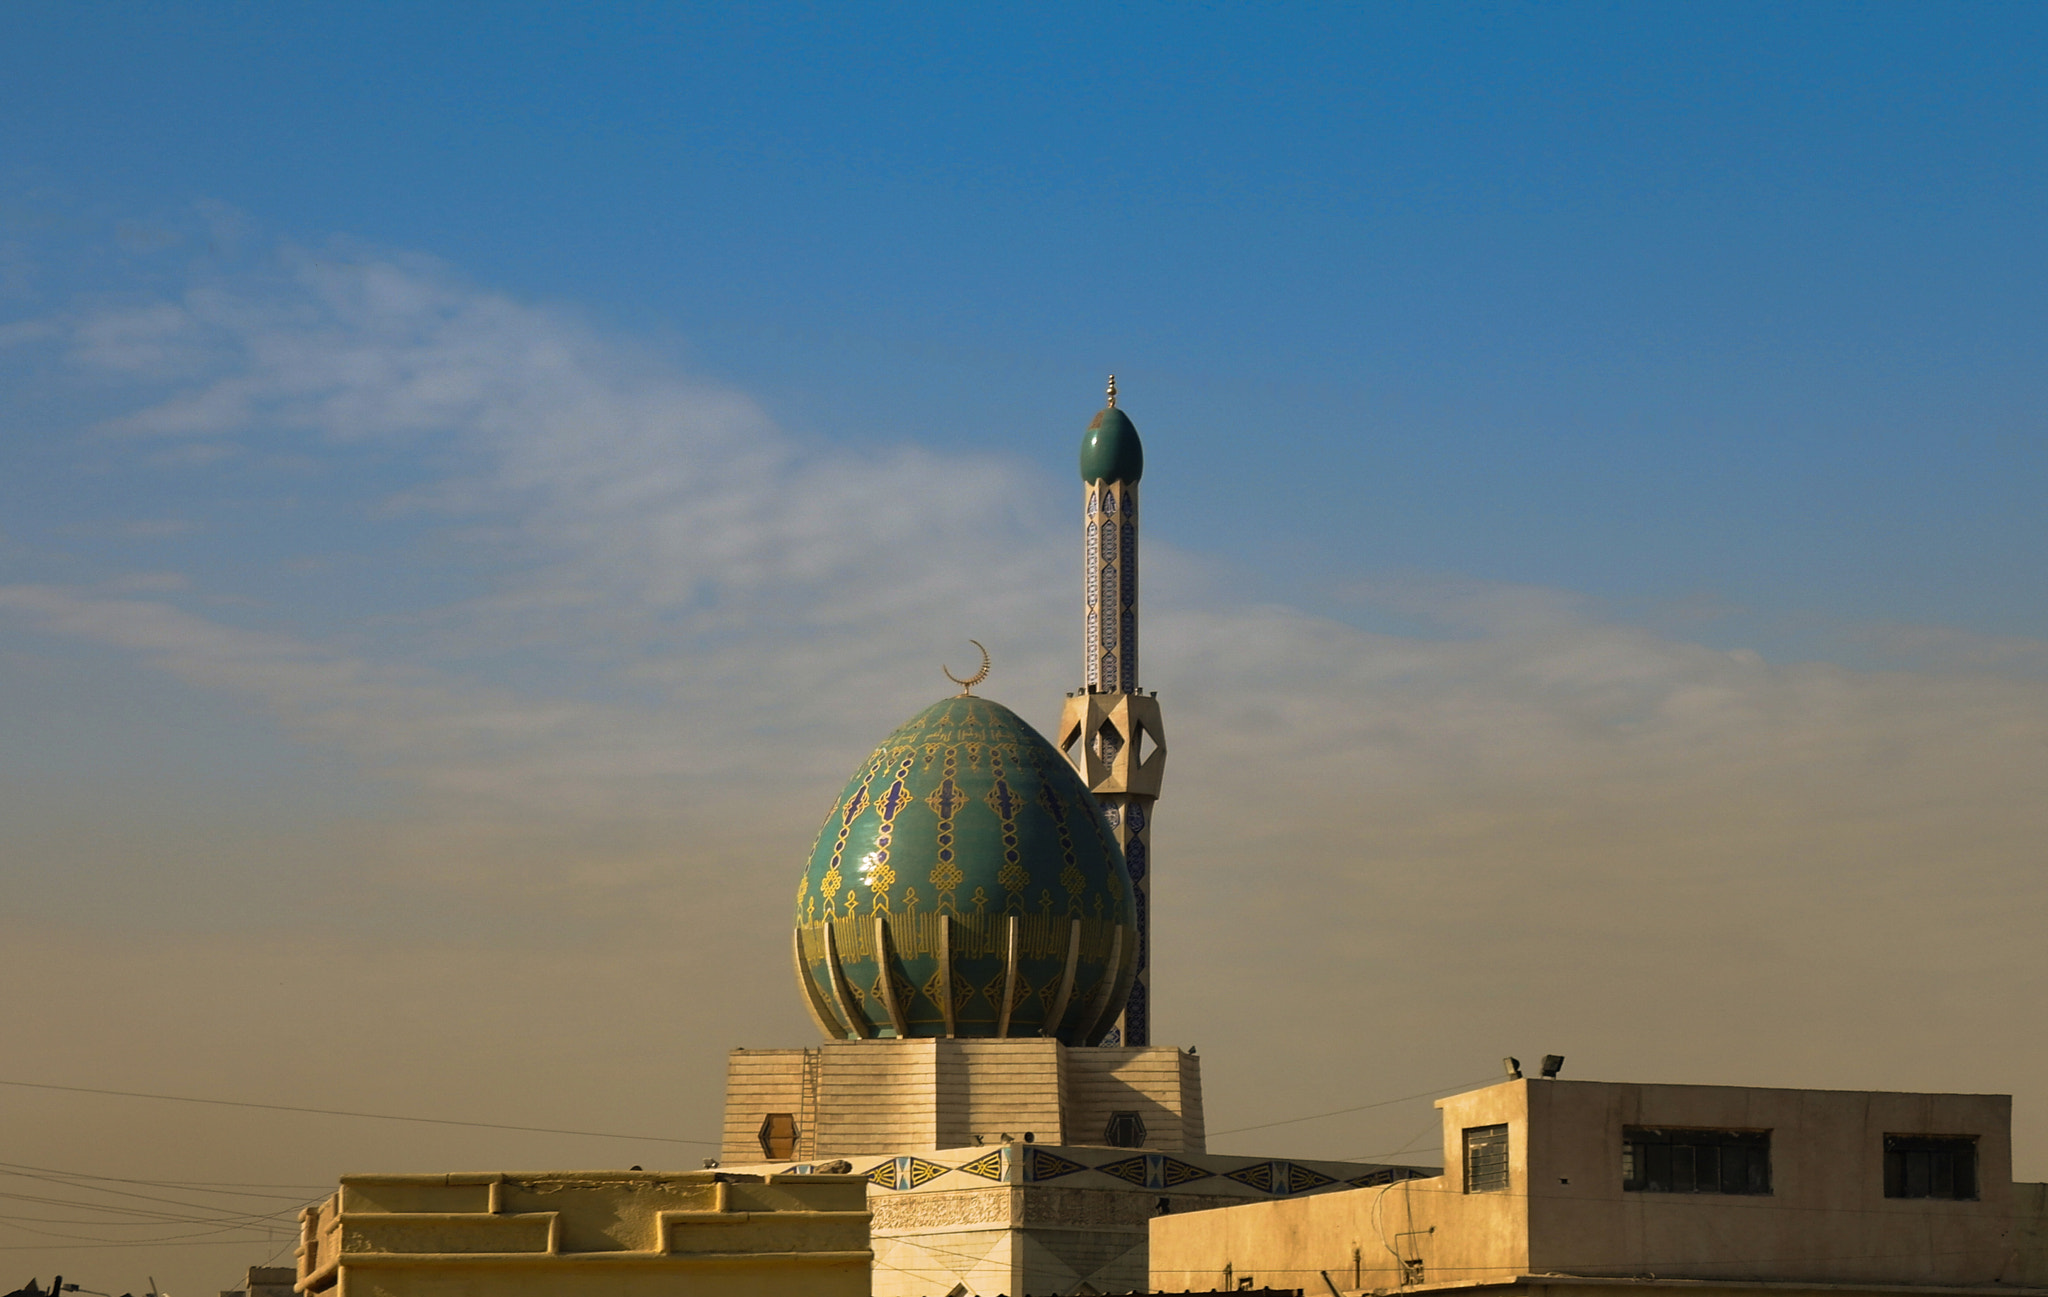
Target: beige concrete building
{"x":265,"y":1281}
{"x":1004,"y":1165}
{"x":847,"y":1099}
{"x":1555,"y":1184}
{"x":1028,"y":1218}
{"x":616,"y":1233}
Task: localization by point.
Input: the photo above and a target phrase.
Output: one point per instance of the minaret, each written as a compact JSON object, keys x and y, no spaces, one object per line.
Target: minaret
{"x":1109,"y":730}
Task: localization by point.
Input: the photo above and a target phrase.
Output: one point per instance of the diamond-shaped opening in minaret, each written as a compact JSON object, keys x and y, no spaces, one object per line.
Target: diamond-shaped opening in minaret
{"x":1108,"y":741}
{"x":1145,"y":746}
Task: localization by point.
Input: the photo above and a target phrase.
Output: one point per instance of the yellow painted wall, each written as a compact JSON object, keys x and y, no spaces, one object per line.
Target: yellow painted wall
{"x":1361,"y":1237}
{"x":630,"y":1234}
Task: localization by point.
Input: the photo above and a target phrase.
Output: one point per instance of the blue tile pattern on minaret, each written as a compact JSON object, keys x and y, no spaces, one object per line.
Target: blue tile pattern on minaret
{"x":1106,"y":720}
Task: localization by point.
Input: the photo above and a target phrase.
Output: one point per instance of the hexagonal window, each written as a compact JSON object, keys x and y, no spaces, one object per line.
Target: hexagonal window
{"x":778,"y":1136}
{"x":1125,"y":1130}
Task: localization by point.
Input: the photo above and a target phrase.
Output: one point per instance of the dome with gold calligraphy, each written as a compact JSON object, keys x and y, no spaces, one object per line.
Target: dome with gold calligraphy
{"x":965,"y":884}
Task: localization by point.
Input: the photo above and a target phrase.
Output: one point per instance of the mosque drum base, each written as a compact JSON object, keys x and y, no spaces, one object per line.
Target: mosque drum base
{"x":1010,"y":1166}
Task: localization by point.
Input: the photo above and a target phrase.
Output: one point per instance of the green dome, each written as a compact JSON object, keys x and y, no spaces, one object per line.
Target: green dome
{"x":1110,"y":450}
{"x":965,"y":840}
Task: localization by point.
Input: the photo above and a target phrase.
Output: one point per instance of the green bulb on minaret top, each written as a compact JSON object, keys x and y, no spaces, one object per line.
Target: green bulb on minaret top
{"x":1110,"y":450}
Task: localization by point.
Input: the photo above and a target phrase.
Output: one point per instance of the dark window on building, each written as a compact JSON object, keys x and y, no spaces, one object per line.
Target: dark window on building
{"x":1486,"y":1159}
{"x":1657,"y":1160}
{"x":1926,"y":1166}
{"x":1125,"y":1130}
{"x":778,"y":1136}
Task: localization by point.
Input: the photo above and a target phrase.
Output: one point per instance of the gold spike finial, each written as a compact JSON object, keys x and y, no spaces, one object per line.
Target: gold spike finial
{"x":967,"y":685}
{"x":1112,"y":391}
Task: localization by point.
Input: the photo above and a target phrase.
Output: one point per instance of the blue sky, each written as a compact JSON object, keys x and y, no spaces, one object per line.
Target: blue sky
{"x":1647,"y":303}
{"x":475,"y":479}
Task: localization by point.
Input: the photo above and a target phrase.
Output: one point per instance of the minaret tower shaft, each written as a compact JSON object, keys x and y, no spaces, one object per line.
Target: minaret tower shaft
{"x":1109,"y":729}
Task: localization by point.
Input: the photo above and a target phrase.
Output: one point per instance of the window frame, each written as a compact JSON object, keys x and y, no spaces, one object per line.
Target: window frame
{"x":1493,"y":1136}
{"x":1899,"y":1154}
{"x":1686,"y":1151}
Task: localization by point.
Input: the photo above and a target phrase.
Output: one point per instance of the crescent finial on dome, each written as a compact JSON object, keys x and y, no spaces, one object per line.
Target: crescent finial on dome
{"x":967,"y":685}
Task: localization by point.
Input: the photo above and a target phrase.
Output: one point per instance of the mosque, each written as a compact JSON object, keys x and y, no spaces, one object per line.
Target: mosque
{"x":973,"y":939}
{"x":987,"y":1112}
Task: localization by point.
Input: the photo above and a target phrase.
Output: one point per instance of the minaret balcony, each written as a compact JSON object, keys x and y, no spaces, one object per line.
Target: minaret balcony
{"x":1116,"y":741}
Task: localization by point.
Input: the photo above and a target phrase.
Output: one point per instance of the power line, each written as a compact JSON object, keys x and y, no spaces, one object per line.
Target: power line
{"x":1338,"y":1112}
{"x":69,"y":1247}
{"x":202,"y":1186}
{"x":368,"y":1116}
{"x":98,"y":1183}
{"x":60,"y":1179}
{"x":211,"y":1215}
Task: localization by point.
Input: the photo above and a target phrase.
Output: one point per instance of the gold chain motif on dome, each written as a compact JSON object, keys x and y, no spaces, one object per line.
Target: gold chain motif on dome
{"x":1071,"y":877}
{"x":875,"y":871}
{"x":994,"y":992}
{"x":946,"y":800}
{"x":897,"y":982}
{"x":856,"y":802}
{"x":1014,"y":878}
{"x":879,"y":877}
{"x":1003,"y":800}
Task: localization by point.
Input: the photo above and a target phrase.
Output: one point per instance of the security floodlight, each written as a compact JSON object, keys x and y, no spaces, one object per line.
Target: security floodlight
{"x":1513,"y":1067}
{"x":1552,"y":1065}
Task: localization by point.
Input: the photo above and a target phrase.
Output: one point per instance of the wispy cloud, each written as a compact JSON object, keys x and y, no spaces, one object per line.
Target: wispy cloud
{"x":682,"y":605}
{"x":134,"y":528}
{"x":695,"y":571}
